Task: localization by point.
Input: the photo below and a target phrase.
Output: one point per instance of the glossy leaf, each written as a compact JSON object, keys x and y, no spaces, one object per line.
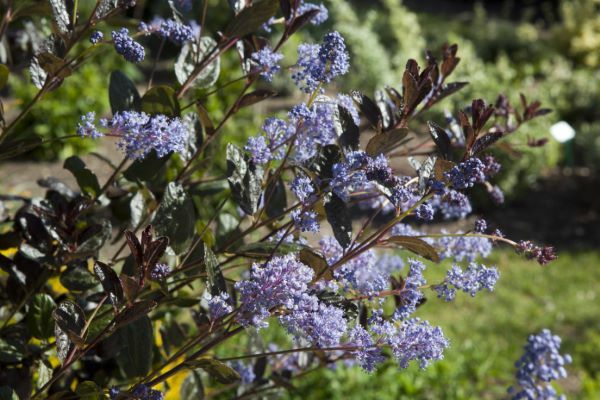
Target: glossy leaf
{"x":175,"y":217}
{"x":338,"y":216}
{"x":135,"y":341}
{"x":216,"y":369}
{"x":385,"y":141}
{"x":86,"y":179}
{"x":122,"y":93}
{"x":70,"y":320}
{"x":216,"y":280}
{"x":192,"y":55}
{"x":110,"y":282}
{"x":250,"y":19}
{"x":160,"y":99}
{"x":245,"y":179}
{"x":417,"y":246}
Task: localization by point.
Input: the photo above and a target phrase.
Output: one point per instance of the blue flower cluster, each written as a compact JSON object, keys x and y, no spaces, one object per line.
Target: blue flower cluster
{"x":540,"y":364}
{"x":462,"y":248}
{"x":473,"y":280}
{"x":411,"y":295}
{"x":271,"y":145}
{"x":219,"y":306}
{"x":96,"y":37}
{"x":141,"y":392}
{"x":170,"y":29}
{"x":305,"y":220}
{"x":319,"y":64}
{"x":127,"y":47}
{"x":283,"y":281}
{"x":246,"y":372}
{"x":267,"y":62}
{"x":467,"y":173}
{"x":139,"y":132}
{"x":159,"y":271}
{"x":321,"y":16}
{"x":303,"y":188}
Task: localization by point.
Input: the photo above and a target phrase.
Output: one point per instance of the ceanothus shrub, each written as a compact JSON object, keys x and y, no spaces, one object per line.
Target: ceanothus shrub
{"x":312,"y":230}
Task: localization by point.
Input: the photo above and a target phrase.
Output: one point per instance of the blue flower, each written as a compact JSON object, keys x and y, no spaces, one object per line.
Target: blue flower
{"x":425,"y":212}
{"x":267,"y":62}
{"x":306,"y":221}
{"x":463,"y":247}
{"x":280,"y":282}
{"x":219,"y":306}
{"x":321,"y":63}
{"x":87,"y":126}
{"x":246,"y":372}
{"x":471,"y":281}
{"x":96,"y":37}
{"x":540,"y":364}
{"x":127,"y":47}
{"x":302,"y":187}
{"x":321,"y":16}
{"x":368,"y":355}
{"x":417,"y":340}
{"x":170,"y":29}
{"x":159,"y":272}
{"x":411,"y":296}
{"x":466,"y":174}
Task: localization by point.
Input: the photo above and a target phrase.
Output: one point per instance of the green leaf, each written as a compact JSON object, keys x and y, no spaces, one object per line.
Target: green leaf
{"x":122,"y":93}
{"x":385,"y":141}
{"x":94,"y":237}
{"x":145,"y":170}
{"x":110,"y":282}
{"x":192,"y":387}
{"x":61,"y":16}
{"x":86,"y":179}
{"x":277,"y":198}
{"x":70,"y":321}
{"x":317,"y":262}
{"x":216,"y":280}
{"x":88,"y":390}
{"x":250,"y":19}
{"x":216,"y":369}
{"x":6,"y":393}
{"x":339,"y":218}
{"x":136,"y":343}
{"x":17,"y":147}
{"x":44,"y":370}
{"x":347,"y":130}
{"x":175,"y":217}
{"x":11,"y":351}
{"x":191,"y":55}
{"x":265,"y":249}
{"x":245,"y":179}
{"x":4,"y":71}
{"x":417,"y":246}
{"x":161,"y":100}
{"x":39,"y":317}
{"x":142,"y":203}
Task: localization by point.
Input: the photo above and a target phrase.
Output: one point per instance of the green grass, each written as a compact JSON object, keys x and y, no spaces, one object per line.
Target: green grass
{"x":487,"y":334}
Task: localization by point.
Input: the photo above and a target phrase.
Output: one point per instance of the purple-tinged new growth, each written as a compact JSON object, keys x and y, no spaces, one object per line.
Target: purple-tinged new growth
{"x":159,"y":272}
{"x":219,"y":306}
{"x":127,"y":47}
{"x":543,"y":255}
{"x":280,"y":282}
{"x":466,"y":174}
{"x":96,"y":37}
{"x":538,"y":366}
{"x":267,"y":62}
{"x":473,"y":280}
